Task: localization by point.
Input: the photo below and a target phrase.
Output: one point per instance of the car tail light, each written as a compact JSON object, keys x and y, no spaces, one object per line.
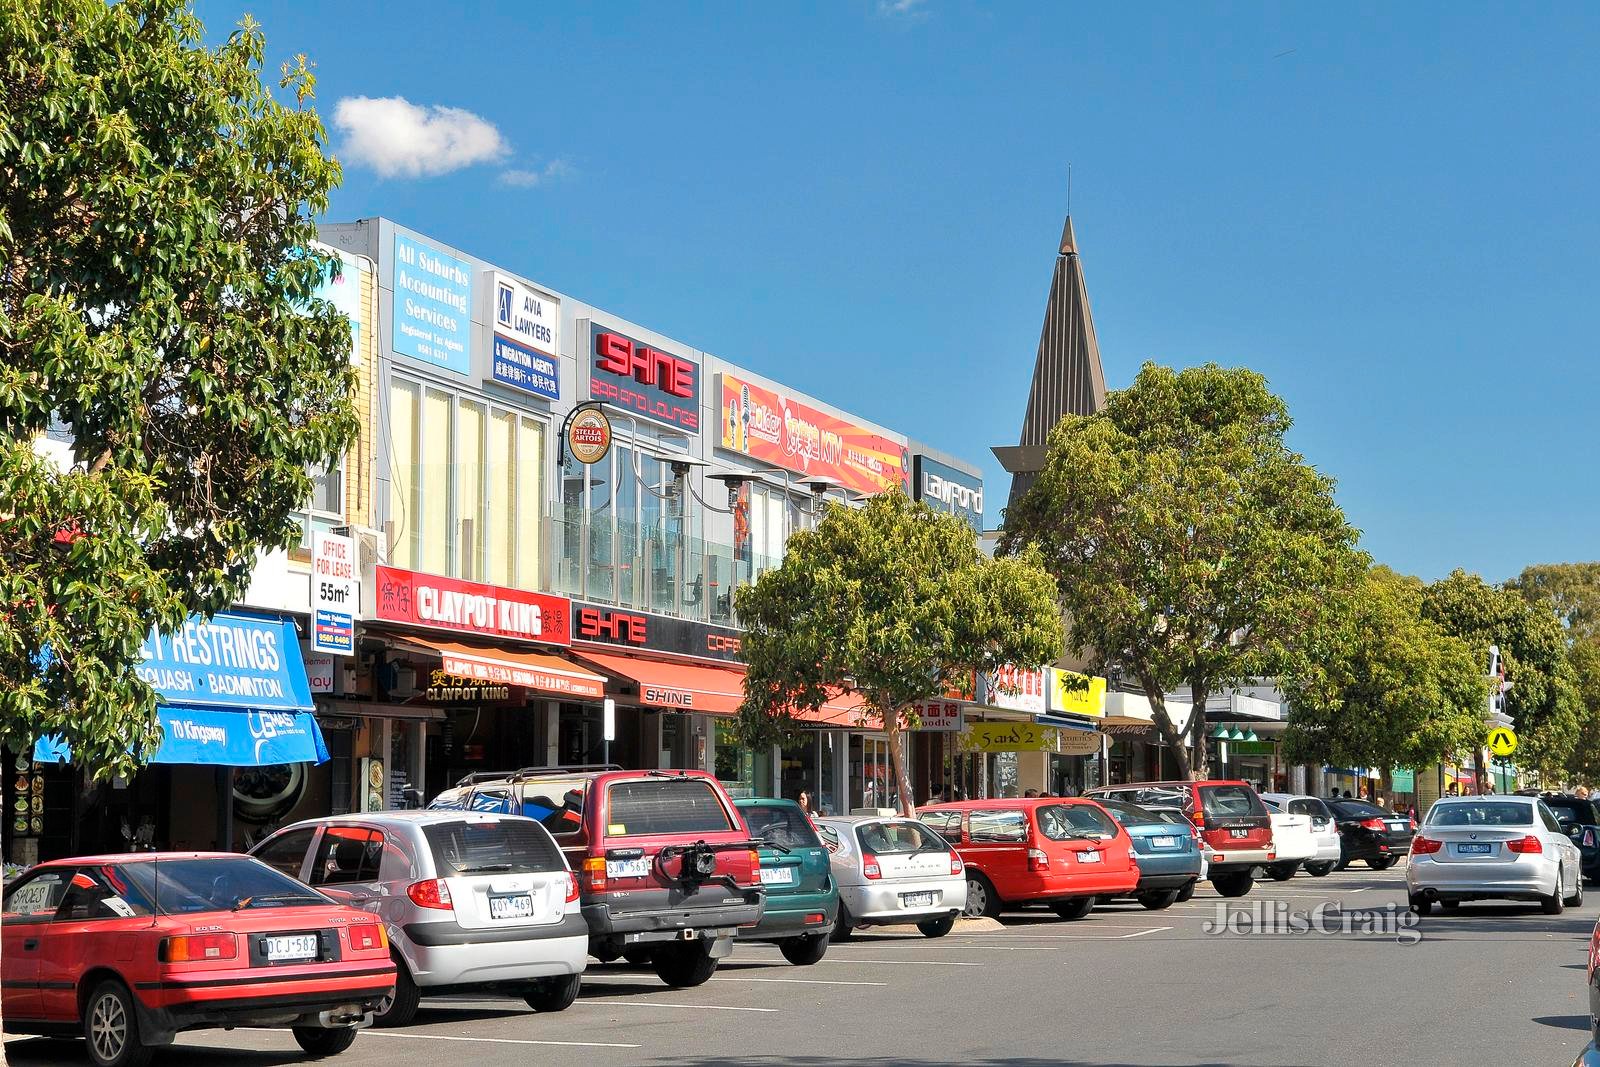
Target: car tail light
{"x":572,"y":887}
{"x":1037,"y":860}
{"x":368,"y":936}
{"x":1526,"y":846}
{"x":755,"y":865}
{"x":816,"y":918}
{"x":198,"y":947}
{"x":955,"y":864}
{"x":869,"y":866}
{"x":1372,"y":824}
{"x":1198,"y":817}
{"x":1588,"y":839}
{"x":1425,"y":846}
{"x":594,"y":872}
{"x":433,"y":893}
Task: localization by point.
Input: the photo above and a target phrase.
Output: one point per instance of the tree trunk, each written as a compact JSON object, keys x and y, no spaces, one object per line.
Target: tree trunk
{"x":897,"y":763}
{"x":1199,"y":766}
{"x":1169,"y":733}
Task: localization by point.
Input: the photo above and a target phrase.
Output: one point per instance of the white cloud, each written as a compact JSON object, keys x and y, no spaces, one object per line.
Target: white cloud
{"x":399,"y":139}
{"x":522,"y":178}
{"x":900,"y":7}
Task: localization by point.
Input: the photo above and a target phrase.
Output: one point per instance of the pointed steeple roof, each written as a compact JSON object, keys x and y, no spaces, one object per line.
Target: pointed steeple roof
{"x":1067,"y":376}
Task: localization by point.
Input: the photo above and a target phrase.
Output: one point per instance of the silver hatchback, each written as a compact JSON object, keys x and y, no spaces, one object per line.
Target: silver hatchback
{"x":470,"y":899}
{"x":1493,"y":848}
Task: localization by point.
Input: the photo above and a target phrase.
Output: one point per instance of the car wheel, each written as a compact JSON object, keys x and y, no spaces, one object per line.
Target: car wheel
{"x":937,"y":927}
{"x":685,"y":964}
{"x":1556,"y":902}
{"x":554,"y":994}
{"x":843,"y":928}
{"x":982,"y":901}
{"x":1076,"y":908}
{"x":1381,"y":863}
{"x":1158,"y":899}
{"x":1576,"y":899}
{"x":401,"y":1007}
{"x":1233,"y":885}
{"x":319,"y":1041}
{"x":606,"y":952}
{"x":111,"y":1028}
{"x":1319,"y":870}
{"x":1282,"y":872}
{"x":1187,"y":892}
{"x":804,"y":951}
{"x":1421,"y":905}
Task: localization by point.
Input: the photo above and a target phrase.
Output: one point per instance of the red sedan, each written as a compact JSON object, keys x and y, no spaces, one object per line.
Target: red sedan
{"x":129,"y":950}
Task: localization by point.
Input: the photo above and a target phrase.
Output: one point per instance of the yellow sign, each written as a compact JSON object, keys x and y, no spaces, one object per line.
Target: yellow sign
{"x":1072,"y":693}
{"x":1502,"y":741}
{"x":1009,"y":737}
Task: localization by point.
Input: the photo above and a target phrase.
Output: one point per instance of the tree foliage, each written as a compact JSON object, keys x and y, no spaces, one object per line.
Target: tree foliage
{"x":1398,"y":691}
{"x":1583,"y":764}
{"x":1571,"y":590}
{"x":890,"y":603}
{"x":156,"y":209}
{"x":1190,"y":543}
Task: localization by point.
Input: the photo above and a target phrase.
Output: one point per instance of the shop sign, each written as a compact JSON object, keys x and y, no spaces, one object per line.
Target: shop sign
{"x":334,"y":594}
{"x":237,"y":661}
{"x":470,"y":607}
{"x":589,"y":435}
{"x":1251,"y":748}
{"x":644,"y":380}
{"x":937,"y":716}
{"x":319,"y":673}
{"x":1078,"y":742}
{"x":432,"y":306}
{"x":1015,"y":689}
{"x":614,"y":627}
{"x":1009,"y":737}
{"x":526,"y":337}
{"x":444,"y":688}
{"x":944,"y":488}
{"x":773,"y":428}
{"x":1127,"y":726}
{"x":1072,"y":693}
{"x":341,"y":287}
{"x":522,"y":368}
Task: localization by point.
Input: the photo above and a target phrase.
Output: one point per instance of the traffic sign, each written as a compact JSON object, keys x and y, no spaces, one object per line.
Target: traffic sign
{"x":1502,"y":741}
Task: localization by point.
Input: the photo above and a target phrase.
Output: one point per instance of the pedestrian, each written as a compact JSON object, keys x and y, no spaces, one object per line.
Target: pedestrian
{"x":1381,"y":802}
{"x":1582,"y":792}
{"x":1029,"y":794}
{"x":805,"y":803}
{"x":1069,"y":791}
{"x":1347,"y":794}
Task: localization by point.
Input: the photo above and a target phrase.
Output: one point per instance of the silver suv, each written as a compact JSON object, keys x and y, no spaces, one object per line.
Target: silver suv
{"x":470,"y":899}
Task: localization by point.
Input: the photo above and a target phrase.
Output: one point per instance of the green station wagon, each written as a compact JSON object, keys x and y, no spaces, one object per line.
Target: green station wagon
{"x":802,"y":899}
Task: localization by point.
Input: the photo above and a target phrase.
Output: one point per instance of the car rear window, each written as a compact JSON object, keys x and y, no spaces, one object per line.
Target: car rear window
{"x":900,"y":837}
{"x":216,"y":883}
{"x":1360,"y":809}
{"x":1225,"y":800}
{"x":491,"y":846}
{"x":1133,"y":815}
{"x":1578,"y":811}
{"x":1309,"y":806}
{"x":555,"y":803}
{"x":666,"y":806}
{"x":1061,"y":822}
{"x":1481,"y":813}
{"x":779,"y":824}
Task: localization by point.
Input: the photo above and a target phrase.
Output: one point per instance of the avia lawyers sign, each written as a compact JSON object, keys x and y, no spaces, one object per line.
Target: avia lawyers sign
{"x":527,"y":337}
{"x":432,"y":306}
{"x":614,"y":627}
{"x":441,"y":603}
{"x":944,"y":488}
{"x":643,"y":380}
{"x":766,"y":425}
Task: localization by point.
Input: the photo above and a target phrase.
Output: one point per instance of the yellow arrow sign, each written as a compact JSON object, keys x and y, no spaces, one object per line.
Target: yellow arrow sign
{"x":1502,"y":741}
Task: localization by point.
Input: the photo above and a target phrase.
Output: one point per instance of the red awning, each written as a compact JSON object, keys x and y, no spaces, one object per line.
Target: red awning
{"x":703,"y":687}
{"x":530,"y":670}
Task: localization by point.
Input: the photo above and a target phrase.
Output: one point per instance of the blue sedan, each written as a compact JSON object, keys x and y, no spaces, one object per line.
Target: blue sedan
{"x":1166,"y":850}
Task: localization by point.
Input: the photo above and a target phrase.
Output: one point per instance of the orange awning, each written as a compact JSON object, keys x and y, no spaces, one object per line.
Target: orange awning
{"x":530,"y":670}
{"x":704,"y":688}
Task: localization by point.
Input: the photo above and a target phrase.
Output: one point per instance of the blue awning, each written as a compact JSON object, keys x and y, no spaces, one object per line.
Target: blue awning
{"x":219,"y":737}
{"x":1062,"y":722}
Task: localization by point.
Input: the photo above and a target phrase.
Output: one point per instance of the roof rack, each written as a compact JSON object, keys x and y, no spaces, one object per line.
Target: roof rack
{"x":534,"y":772}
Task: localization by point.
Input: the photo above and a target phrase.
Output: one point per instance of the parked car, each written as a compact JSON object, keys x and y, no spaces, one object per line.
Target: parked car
{"x":1059,"y":852}
{"x":1324,"y":828}
{"x":1235,"y":828}
{"x":1291,"y":837}
{"x":1367,"y":832}
{"x":1493,"y":848}
{"x":667,"y":872}
{"x":892,"y":871}
{"x":470,"y":900}
{"x":129,"y":950}
{"x":1580,"y":818}
{"x":802,"y":897}
{"x":1166,"y":849}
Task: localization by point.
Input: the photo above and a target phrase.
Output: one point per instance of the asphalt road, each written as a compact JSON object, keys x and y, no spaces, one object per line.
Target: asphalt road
{"x":1490,"y":985}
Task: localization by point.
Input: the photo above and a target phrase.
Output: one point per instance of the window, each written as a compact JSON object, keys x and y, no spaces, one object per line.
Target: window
{"x":1477,"y":813}
{"x":99,"y":894}
{"x":948,"y":823}
{"x":779,"y":824}
{"x":1570,"y":810}
{"x":214,"y":883}
{"x":1359,"y":809}
{"x":997,"y":826}
{"x":1225,"y":800}
{"x":287,"y":851}
{"x":1062,"y":822}
{"x":557,"y":804}
{"x":899,"y":838}
{"x":665,"y":806}
{"x":35,"y":899}
{"x":492,"y":846}
{"x":1550,"y":821}
{"x":1314,"y":808}
{"x":347,"y":854}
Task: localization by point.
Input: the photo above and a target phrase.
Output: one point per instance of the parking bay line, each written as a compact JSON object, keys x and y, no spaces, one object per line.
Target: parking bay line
{"x":664,"y":1004}
{"x":504,"y":1040}
{"x":793,"y":981}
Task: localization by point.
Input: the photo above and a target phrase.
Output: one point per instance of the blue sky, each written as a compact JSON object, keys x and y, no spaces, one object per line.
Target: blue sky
{"x":1387,"y":210}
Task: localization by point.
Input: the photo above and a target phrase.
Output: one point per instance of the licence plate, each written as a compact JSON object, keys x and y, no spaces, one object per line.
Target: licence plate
{"x":1089,"y":857}
{"x":516,"y":906}
{"x":297,"y":947}
{"x":777,"y":875}
{"x":1163,"y":842}
{"x":1474,"y":850}
{"x":1238,"y":833}
{"x":916,"y":900}
{"x":1397,"y":825}
{"x":636,"y":868}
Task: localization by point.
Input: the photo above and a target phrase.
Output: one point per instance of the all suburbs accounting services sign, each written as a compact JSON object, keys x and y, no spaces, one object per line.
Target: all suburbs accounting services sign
{"x":470,"y":607}
{"x":643,"y":380}
{"x":432,"y":305}
{"x":526,"y":338}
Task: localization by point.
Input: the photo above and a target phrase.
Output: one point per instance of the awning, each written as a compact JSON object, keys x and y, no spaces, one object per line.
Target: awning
{"x":703,"y":688}
{"x":1063,"y":722}
{"x":219,"y":737}
{"x":530,"y":670}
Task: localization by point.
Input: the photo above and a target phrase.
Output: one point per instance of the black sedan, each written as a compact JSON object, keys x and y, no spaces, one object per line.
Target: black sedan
{"x":1367,"y":832}
{"x":1580,"y":820}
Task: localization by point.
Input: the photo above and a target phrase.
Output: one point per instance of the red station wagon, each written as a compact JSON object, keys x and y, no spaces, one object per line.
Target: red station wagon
{"x":1059,"y":852}
{"x":1234,"y":826}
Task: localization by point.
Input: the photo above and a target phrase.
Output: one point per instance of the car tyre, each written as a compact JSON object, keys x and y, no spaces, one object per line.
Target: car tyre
{"x":1320,"y":870}
{"x":685,"y":965}
{"x":1187,"y":892}
{"x":843,"y":928}
{"x":1421,"y":905}
{"x":1076,"y":908}
{"x":937,"y":927}
{"x":1159,"y":899}
{"x":1381,"y":863}
{"x":111,"y":1028}
{"x":401,"y":1008}
{"x":1282,"y":872}
{"x":1556,"y":902}
{"x":1233,"y":885}
{"x":804,"y":951}
{"x":319,"y":1041}
{"x":1576,"y":899}
{"x":982,"y":901}
{"x":554,"y":994}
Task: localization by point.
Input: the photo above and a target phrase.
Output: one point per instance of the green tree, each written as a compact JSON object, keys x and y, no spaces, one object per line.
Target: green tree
{"x":1571,"y":590}
{"x":891,"y":603}
{"x":1398,"y":690}
{"x":156,"y":209}
{"x":1583,"y":765}
{"x":1543,"y":700}
{"x":1190,"y":543}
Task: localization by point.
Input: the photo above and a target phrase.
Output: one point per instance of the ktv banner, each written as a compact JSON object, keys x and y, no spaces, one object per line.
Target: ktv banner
{"x":775,"y":429}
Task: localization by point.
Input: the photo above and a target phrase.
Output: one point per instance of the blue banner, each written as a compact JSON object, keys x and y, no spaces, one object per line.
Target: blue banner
{"x":232,"y":661}
{"x":944,"y":488}
{"x":522,"y":368}
{"x":220,"y":738}
{"x":432,"y":305}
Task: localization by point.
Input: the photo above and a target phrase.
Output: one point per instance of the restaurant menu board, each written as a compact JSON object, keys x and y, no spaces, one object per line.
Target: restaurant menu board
{"x":27,"y":799}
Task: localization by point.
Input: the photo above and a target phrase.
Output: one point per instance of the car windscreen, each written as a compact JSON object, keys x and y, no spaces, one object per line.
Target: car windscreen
{"x":491,"y":846}
{"x":1481,"y":813}
{"x":211,"y":883}
{"x":1133,"y":815}
{"x":898,"y":838}
{"x":555,"y":803}
{"x":665,"y":806}
{"x":1571,"y":811}
{"x":1225,"y":800}
{"x":1358,"y":809}
{"x":1062,"y":822}
{"x":779,"y":824}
